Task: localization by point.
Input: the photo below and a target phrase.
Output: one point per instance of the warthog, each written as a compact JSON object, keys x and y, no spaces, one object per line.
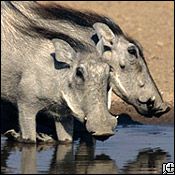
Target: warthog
{"x":130,"y":77}
{"x":40,"y":74}
{"x":76,"y":87}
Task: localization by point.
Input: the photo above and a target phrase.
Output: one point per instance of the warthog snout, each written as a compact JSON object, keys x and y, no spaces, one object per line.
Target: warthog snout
{"x":154,"y":105}
{"x":102,"y":130}
{"x":164,"y":108}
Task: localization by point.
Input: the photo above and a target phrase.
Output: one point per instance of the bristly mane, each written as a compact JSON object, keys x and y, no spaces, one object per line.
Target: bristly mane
{"x":37,"y":31}
{"x":84,"y":19}
{"x":58,"y":12}
{"x":32,"y":29}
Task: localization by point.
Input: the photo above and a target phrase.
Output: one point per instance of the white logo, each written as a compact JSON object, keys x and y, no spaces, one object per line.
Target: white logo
{"x":168,"y":168}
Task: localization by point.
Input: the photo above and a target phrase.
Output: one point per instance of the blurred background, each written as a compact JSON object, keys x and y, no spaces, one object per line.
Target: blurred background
{"x":152,"y":24}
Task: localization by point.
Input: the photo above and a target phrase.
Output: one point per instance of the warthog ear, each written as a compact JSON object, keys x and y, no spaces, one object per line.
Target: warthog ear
{"x":105,"y":36}
{"x":63,"y":51}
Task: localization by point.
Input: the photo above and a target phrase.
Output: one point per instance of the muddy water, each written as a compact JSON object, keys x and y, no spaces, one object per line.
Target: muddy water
{"x":133,"y":149}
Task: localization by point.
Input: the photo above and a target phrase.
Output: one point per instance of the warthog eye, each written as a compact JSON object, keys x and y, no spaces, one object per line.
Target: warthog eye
{"x":80,"y":72}
{"x":132,"y":50}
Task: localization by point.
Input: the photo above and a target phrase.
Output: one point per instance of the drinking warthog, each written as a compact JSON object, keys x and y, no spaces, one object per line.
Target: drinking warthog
{"x":76,"y":87}
{"x":130,"y":77}
{"x":40,"y":74}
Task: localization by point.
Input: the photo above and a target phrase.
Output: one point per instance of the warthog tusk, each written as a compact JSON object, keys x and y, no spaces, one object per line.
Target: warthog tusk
{"x":85,"y":118}
{"x":116,"y":116}
{"x":121,"y":87}
{"x":109,"y":98}
{"x":153,"y":98}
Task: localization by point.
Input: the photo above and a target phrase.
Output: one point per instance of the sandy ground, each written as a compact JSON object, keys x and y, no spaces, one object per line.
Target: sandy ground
{"x":152,"y":24}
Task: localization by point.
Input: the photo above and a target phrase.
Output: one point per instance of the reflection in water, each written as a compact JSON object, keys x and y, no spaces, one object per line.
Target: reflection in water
{"x":147,"y":161}
{"x":62,"y":161}
{"x":77,"y":158}
{"x":27,"y":154}
{"x":83,"y":161}
{"x":123,"y":153}
{"x":28,"y":159}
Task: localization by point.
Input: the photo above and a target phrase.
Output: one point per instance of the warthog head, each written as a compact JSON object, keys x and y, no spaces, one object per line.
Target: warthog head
{"x":130,"y":77}
{"x":86,"y":91}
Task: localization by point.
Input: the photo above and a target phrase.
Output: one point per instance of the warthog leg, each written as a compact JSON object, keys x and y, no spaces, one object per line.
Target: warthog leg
{"x":64,"y":129}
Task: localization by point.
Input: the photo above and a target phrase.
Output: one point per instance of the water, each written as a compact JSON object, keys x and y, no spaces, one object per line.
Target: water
{"x":137,"y":149}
